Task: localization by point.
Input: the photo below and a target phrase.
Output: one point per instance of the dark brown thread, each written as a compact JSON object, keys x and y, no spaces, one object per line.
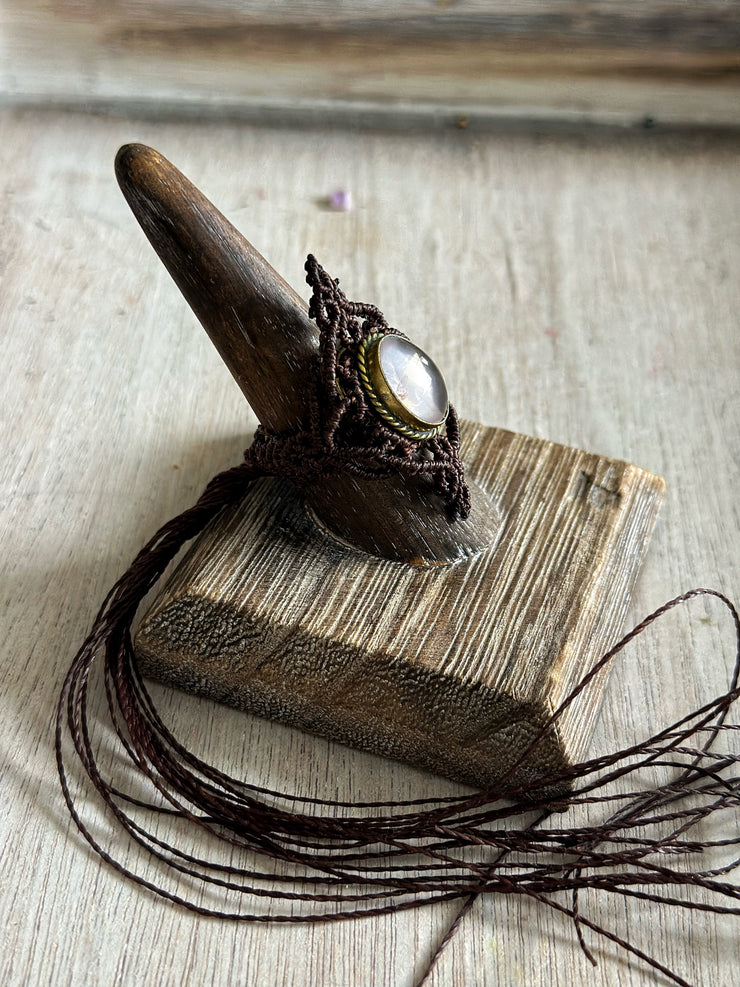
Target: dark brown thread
{"x":350,"y":859}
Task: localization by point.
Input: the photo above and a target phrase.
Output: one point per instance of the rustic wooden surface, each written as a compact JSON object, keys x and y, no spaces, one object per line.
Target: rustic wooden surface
{"x":452,"y":668}
{"x":583,"y":289}
{"x":484,"y":62}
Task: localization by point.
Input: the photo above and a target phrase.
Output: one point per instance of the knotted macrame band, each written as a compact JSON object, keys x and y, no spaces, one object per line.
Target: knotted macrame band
{"x":346,"y":434}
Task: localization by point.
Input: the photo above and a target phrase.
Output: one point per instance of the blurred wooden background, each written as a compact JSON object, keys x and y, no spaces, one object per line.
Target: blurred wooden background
{"x":594,"y":61}
{"x":577,"y":281}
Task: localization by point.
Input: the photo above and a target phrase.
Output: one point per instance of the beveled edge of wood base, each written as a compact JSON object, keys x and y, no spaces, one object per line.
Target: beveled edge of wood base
{"x":472,"y":738}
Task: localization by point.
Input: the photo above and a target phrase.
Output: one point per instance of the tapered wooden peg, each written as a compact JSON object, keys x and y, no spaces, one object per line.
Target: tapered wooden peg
{"x":261,"y":328}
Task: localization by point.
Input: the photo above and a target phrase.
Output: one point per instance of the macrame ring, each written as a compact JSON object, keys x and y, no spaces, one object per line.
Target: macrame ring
{"x":382,"y":398}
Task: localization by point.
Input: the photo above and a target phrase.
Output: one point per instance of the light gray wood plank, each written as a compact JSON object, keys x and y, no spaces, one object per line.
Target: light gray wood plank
{"x":473,"y":63}
{"x":581,"y":289}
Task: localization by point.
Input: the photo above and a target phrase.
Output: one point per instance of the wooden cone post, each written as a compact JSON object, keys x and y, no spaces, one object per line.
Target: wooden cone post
{"x":370,"y":617}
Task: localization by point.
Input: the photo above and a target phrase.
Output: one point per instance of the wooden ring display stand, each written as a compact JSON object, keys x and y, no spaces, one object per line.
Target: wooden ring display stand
{"x":358,"y":610}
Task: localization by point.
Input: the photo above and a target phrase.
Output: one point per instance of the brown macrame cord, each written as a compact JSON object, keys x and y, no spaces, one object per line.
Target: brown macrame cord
{"x":328,"y":860}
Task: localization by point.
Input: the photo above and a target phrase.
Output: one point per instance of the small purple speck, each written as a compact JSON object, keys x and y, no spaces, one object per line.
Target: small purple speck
{"x":340,"y":200}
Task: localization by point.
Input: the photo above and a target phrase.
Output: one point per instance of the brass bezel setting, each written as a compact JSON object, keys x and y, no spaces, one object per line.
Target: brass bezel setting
{"x":382,"y":397}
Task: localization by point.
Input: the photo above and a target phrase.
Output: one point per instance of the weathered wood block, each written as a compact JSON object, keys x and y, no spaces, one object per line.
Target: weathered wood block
{"x":452,"y":668}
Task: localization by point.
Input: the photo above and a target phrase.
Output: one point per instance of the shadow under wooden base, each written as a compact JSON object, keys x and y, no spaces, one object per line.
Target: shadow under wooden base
{"x":452,"y":668}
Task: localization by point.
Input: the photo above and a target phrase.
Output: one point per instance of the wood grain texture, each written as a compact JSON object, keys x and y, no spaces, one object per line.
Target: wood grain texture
{"x":454,"y":668}
{"x":583,"y":289}
{"x":479,"y":63}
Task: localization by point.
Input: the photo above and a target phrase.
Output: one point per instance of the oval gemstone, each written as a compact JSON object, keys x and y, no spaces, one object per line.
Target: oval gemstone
{"x":414,"y":379}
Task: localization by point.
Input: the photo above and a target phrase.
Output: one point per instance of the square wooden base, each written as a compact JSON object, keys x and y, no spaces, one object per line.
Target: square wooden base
{"x":452,"y":668}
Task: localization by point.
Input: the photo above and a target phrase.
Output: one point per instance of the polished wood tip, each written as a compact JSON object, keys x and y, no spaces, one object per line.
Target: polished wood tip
{"x":259,"y":325}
